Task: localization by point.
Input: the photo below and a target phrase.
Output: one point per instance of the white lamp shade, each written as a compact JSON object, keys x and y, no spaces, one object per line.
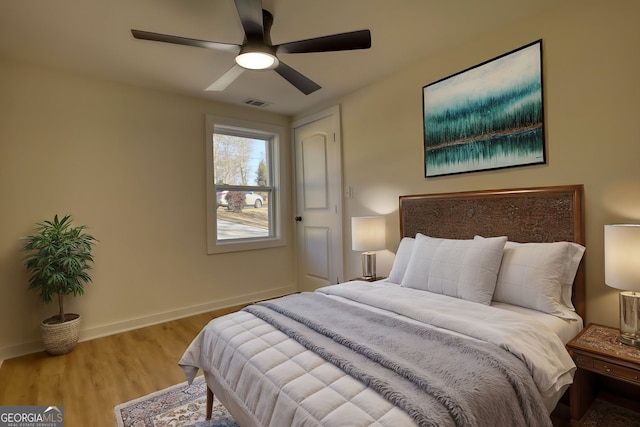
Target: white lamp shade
{"x":622,"y":256}
{"x":367,"y":233}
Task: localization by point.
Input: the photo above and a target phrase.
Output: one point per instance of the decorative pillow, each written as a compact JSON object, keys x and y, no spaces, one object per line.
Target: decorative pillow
{"x":465,"y":269}
{"x":574,"y":256}
{"x":401,"y":260}
{"x":539,"y":275}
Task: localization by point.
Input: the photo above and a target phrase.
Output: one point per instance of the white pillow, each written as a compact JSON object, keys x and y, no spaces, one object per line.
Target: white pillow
{"x":401,"y":260}
{"x":574,"y":256}
{"x":465,"y":269}
{"x":539,"y":275}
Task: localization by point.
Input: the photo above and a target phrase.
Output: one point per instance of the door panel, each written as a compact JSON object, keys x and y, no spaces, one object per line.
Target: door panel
{"x":318,"y":201}
{"x":317,"y":249}
{"x":314,"y":171}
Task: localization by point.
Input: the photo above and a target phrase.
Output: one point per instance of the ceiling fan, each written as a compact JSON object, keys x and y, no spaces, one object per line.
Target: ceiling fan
{"x":258,"y":53}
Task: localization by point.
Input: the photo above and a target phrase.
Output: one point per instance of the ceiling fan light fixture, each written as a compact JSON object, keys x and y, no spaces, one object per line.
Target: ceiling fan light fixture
{"x":257,"y":60}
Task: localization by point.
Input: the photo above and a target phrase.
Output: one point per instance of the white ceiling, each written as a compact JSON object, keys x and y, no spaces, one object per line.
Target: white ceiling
{"x":93,"y":37}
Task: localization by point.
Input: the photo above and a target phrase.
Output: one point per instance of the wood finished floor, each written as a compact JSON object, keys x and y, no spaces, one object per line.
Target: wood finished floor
{"x":100,"y":374}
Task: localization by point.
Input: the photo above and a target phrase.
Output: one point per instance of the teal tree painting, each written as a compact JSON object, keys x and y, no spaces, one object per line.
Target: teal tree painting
{"x":487,"y":117}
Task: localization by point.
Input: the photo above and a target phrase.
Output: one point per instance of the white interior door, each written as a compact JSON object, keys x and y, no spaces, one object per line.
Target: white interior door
{"x":318,"y":200}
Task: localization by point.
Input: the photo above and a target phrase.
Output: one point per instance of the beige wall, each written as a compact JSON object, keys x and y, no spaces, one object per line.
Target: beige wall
{"x":591,"y":59}
{"x":130,"y":164}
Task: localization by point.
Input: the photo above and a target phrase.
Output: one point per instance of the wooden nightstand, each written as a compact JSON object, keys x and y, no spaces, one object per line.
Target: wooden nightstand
{"x":600,"y":357}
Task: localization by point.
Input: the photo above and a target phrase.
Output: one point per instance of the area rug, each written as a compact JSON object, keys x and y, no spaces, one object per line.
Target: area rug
{"x":184,"y":406}
{"x":177,"y":406}
{"x":605,"y":414}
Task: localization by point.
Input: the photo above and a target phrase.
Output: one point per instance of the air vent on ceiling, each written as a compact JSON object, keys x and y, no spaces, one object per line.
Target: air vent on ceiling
{"x":256,"y":102}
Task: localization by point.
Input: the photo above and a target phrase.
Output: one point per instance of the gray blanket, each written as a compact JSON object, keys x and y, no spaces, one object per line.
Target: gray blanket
{"x":437,"y":378}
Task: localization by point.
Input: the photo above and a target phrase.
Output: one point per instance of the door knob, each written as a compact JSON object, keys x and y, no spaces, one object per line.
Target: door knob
{"x":298,"y":219}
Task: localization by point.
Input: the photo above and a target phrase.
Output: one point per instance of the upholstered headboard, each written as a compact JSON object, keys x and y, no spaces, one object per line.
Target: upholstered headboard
{"x":541,"y":214}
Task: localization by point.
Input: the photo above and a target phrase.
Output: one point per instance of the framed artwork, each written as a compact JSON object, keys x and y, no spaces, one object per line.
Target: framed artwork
{"x":489,"y":116}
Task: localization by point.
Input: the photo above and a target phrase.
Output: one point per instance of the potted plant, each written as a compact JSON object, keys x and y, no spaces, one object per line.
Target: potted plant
{"x":58,"y":258}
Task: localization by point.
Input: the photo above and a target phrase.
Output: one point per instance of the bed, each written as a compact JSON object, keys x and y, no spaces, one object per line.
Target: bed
{"x":468,"y":329}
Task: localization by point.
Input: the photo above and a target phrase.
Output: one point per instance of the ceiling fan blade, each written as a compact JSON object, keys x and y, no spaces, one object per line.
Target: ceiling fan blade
{"x":156,"y":37}
{"x":226,"y":79}
{"x":304,"y":84}
{"x":250,"y":13}
{"x":345,"y":41}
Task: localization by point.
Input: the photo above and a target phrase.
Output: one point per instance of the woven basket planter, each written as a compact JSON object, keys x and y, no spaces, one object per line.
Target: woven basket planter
{"x":60,"y":338}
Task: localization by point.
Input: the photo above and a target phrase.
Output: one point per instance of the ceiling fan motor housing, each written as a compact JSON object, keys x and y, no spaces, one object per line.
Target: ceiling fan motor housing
{"x":258,"y":53}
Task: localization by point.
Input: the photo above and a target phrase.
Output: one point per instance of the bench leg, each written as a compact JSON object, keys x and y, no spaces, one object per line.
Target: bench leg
{"x":209,"y":403}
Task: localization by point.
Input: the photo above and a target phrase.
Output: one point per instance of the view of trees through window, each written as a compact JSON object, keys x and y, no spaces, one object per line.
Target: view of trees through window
{"x":239,"y":160}
{"x":243,"y":187}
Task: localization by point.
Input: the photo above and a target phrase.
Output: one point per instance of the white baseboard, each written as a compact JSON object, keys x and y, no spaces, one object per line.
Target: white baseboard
{"x":140,"y":322}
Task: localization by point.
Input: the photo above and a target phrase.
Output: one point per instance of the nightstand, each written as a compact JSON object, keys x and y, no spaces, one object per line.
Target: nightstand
{"x":599,"y":357}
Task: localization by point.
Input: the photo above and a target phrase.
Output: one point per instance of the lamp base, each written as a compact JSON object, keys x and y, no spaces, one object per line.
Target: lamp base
{"x":368,"y":265}
{"x":629,"y":340}
{"x":629,"y":318}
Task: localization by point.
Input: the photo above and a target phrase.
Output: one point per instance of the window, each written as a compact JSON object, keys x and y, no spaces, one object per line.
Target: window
{"x":243,"y":185}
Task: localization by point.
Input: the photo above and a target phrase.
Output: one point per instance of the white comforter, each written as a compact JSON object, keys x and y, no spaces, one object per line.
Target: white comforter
{"x":266,"y":379}
{"x":542,"y":351}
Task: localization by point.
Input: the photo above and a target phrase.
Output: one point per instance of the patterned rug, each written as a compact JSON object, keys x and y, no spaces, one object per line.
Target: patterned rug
{"x":177,"y":406}
{"x":605,"y":414}
{"x":184,"y":406}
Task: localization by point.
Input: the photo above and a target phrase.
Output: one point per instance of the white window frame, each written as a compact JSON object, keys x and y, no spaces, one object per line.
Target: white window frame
{"x":276,"y":136}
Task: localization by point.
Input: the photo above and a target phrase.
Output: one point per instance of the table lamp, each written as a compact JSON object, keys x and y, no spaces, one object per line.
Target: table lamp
{"x":367,"y":235}
{"x":622,"y":271}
